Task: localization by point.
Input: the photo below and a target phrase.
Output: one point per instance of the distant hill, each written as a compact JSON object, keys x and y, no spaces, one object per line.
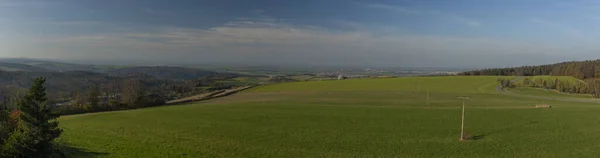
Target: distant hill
{"x":21,"y":67}
{"x":57,"y":81}
{"x":50,"y":65}
{"x":578,"y":69}
{"x":67,"y":84}
{"x":166,"y":72}
{"x":159,"y":72}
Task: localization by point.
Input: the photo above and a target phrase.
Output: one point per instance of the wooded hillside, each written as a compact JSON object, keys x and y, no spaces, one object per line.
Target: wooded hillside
{"x":578,"y":69}
{"x":588,"y":71}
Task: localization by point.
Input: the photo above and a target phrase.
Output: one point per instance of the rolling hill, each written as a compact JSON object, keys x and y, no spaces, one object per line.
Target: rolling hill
{"x":50,"y":65}
{"x":165,"y":72}
{"x":68,"y":82}
{"x":161,"y":72}
{"x":349,"y":118}
{"x":21,"y":67}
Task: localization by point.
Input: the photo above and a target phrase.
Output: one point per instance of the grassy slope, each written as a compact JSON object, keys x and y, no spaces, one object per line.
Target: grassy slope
{"x":546,"y":93}
{"x":350,"y":118}
{"x":549,"y":93}
{"x":567,"y":79}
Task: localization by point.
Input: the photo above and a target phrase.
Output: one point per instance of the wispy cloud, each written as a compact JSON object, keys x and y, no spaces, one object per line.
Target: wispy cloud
{"x":455,"y":17}
{"x":273,"y":42}
{"x":406,"y":10}
{"x":72,"y":23}
{"x":156,"y":12}
{"x":394,"y":8}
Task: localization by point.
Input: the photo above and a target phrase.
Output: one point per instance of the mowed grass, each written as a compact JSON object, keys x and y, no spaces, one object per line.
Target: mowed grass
{"x":406,"y":84}
{"x":348,"y":118}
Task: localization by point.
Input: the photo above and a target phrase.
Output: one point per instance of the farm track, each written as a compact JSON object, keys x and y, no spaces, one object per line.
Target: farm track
{"x":210,"y":95}
{"x":579,"y":100}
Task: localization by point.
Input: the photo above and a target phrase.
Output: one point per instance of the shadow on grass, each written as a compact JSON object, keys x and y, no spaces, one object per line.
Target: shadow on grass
{"x":479,"y":137}
{"x":70,"y":151}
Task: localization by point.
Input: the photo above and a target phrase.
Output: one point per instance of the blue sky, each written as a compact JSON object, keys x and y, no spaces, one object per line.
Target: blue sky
{"x":416,"y":33}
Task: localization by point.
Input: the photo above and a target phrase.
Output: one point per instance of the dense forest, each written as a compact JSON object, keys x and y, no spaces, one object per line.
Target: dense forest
{"x":587,"y":71}
{"x":578,"y":69}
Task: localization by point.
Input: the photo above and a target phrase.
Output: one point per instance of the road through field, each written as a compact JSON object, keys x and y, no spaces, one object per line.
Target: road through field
{"x":580,"y":100}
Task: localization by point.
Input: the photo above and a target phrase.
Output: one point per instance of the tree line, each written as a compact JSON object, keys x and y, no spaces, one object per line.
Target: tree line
{"x":131,"y":94}
{"x":136,"y":93}
{"x":109,"y":94}
{"x":578,"y":69}
{"x":555,"y":84}
{"x":588,"y":71}
{"x":62,"y":86}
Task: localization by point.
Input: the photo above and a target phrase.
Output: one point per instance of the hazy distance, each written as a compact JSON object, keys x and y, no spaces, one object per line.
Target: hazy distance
{"x":434,"y":33}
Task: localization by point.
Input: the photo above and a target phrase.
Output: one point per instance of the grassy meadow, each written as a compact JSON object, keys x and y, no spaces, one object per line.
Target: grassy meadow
{"x":388,"y":117}
{"x":546,"y":92}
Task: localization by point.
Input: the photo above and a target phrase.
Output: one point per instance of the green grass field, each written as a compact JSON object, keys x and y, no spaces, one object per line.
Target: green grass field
{"x":347,"y":118}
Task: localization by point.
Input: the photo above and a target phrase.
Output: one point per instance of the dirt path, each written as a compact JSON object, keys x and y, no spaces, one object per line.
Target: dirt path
{"x":210,"y":95}
{"x":580,"y":100}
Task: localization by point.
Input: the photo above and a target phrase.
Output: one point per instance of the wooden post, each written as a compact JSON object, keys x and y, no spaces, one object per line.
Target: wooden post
{"x":427,"y":102}
{"x":462,"y":120}
{"x":418,"y":86}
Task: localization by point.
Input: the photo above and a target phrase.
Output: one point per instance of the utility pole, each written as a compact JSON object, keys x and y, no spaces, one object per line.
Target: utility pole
{"x":418,"y":86}
{"x":462,"y":123}
{"x":427,"y":101}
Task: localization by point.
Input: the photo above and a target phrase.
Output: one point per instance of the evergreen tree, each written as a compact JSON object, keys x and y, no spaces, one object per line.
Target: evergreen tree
{"x":5,"y":128}
{"x":37,"y":127}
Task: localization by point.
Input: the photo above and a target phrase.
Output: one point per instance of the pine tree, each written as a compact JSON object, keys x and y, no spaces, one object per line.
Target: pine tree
{"x":5,"y":128}
{"x":37,"y":127}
